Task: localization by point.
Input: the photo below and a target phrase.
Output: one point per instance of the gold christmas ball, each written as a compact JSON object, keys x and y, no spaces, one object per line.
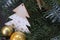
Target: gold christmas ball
{"x":18,"y":36}
{"x":7,"y":30}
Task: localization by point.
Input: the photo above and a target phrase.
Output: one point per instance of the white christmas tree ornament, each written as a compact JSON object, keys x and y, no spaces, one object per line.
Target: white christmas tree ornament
{"x":19,"y":19}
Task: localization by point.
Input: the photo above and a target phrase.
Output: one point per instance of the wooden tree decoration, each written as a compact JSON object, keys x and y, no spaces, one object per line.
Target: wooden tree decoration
{"x":19,"y":19}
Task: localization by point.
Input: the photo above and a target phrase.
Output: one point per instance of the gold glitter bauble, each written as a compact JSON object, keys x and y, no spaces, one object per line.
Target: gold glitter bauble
{"x":7,"y":30}
{"x":18,"y":36}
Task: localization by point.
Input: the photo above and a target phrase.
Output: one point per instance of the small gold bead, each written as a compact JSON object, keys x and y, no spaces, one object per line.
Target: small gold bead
{"x":7,"y":30}
{"x":18,"y":36}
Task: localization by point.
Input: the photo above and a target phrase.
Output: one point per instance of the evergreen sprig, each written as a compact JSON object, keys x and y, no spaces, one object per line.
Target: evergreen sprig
{"x":40,"y":29}
{"x":52,"y":15}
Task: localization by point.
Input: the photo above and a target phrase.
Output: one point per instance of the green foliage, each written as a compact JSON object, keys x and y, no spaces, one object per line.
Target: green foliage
{"x":40,"y":29}
{"x":53,"y":14}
